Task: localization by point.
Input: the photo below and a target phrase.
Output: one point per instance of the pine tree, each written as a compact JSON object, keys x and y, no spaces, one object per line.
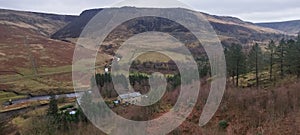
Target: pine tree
{"x":53,"y":118}
{"x":53,"y":108}
{"x":235,"y":60}
{"x":271,"y":49}
{"x":297,"y":62}
{"x":255,"y":61}
{"x":293,"y":57}
{"x":281,"y":53}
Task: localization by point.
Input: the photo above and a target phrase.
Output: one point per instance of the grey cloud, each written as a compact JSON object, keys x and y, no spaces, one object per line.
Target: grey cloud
{"x":74,"y":7}
{"x":245,"y":5}
{"x":272,"y":16}
{"x":249,"y":10}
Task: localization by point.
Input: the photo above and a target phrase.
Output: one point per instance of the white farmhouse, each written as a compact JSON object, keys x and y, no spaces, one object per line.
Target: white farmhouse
{"x":106,"y":70}
{"x":131,"y":98}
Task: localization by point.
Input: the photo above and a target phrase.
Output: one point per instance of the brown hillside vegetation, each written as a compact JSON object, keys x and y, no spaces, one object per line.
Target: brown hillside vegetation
{"x":36,"y":54}
{"x":24,"y":40}
{"x":15,"y":49}
{"x":27,"y":51}
{"x":273,"y":111}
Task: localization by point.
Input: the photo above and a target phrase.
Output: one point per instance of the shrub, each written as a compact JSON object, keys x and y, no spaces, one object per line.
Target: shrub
{"x":223,"y":124}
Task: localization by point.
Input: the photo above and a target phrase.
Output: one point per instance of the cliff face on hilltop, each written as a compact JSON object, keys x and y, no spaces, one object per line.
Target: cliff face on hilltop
{"x":229,"y":29}
{"x":73,"y":29}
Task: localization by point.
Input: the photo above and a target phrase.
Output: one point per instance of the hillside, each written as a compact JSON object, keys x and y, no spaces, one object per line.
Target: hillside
{"x":26,"y":31}
{"x":25,"y":46}
{"x":73,"y":29}
{"x":290,"y":27}
{"x":229,"y":29}
{"x":31,"y":62}
{"x":39,"y":23}
{"x":27,"y":50}
{"x":36,"y":54}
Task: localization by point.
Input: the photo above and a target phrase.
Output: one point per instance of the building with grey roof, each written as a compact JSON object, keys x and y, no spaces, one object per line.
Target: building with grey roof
{"x":131,"y":98}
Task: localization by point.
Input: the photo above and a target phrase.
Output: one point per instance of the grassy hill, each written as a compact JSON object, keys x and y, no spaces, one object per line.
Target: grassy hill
{"x":26,"y":50}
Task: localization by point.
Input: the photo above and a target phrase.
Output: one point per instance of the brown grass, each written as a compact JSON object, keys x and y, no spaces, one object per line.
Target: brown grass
{"x":249,"y":111}
{"x":252,"y":111}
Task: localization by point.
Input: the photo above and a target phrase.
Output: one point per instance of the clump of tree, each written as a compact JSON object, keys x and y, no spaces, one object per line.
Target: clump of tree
{"x":293,"y":57}
{"x":277,"y":59}
{"x":56,"y":120}
{"x":235,"y":59}
{"x":271,"y":49}
{"x":255,"y":61}
{"x":281,"y":53}
{"x":203,"y":65}
{"x":141,"y":80}
{"x":53,"y":108}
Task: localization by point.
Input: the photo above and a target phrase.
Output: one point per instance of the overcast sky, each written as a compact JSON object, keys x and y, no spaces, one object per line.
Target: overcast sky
{"x":248,"y":10}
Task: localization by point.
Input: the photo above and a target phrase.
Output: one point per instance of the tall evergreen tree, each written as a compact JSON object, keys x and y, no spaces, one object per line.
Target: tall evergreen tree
{"x":297,"y":62}
{"x":235,"y":60}
{"x":293,"y":57}
{"x":271,"y":50}
{"x":255,"y":61}
{"x":53,"y":108}
{"x":281,"y":53}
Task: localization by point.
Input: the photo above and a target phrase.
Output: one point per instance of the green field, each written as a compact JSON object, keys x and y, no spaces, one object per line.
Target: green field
{"x":6,"y":96}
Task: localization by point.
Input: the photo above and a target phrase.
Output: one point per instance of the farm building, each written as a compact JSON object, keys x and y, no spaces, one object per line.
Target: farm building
{"x":131,"y":98}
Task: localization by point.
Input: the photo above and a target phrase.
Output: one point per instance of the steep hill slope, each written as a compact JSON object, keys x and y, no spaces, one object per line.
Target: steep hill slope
{"x":73,"y":29}
{"x":25,"y":46}
{"x":24,"y":32}
{"x":229,"y":29}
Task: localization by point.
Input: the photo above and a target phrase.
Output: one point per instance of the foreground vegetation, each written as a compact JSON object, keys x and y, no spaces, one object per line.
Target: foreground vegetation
{"x":243,"y":111}
{"x":261,"y":98}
